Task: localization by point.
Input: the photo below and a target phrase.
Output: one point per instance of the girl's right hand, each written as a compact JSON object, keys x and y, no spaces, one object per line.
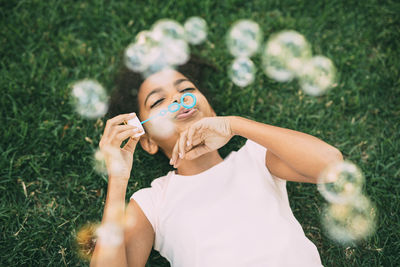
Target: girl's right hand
{"x":119,"y":160}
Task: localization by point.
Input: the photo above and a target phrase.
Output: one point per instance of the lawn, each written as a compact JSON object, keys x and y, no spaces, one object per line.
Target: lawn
{"x":48,"y":186}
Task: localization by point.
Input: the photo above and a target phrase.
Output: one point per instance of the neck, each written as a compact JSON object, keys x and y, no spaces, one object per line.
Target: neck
{"x":200,"y":164}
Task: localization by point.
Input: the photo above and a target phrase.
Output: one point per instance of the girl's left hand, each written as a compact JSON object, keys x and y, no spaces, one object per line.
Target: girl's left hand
{"x":203,"y":136}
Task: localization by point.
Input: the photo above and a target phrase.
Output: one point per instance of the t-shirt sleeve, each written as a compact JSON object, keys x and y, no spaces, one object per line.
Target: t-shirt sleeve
{"x":258,"y":153}
{"x":148,"y":199}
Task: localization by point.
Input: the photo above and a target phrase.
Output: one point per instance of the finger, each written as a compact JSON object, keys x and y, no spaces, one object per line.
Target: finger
{"x":174,"y":154}
{"x":119,"y":129}
{"x":131,"y":144}
{"x":192,"y":130}
{"x":182,"y":144}
{"x":118,"y":120}
{"x":125,"y":134}
{"x":197,"y":152}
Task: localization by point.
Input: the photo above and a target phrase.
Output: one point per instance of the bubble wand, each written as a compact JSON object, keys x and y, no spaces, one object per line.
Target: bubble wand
{"x":173,"y":107}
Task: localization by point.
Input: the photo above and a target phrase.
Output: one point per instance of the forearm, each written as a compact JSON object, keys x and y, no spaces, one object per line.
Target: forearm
{"x":114,"y":212}
{"x":304,"y":153}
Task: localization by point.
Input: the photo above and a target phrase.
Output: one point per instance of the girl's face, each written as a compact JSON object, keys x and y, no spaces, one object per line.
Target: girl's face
{"x":156,"y":93}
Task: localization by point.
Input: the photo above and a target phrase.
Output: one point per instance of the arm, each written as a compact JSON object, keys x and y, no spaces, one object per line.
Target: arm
{"x":136,"y":232}
{"x":113,"y":213}
{"x":291,"y":155}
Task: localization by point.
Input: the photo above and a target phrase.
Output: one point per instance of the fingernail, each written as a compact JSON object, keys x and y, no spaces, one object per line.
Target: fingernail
{"x":180,"y":155}
{"x":170,"y":161}
{"x":187,"y":143}
{"x":135,"y":130}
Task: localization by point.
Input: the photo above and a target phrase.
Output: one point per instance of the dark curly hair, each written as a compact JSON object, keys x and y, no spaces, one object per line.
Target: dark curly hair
{"x":127,"y":83}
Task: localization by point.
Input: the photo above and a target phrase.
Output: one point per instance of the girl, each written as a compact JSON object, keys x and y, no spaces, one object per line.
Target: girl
{"x":210,"y":211}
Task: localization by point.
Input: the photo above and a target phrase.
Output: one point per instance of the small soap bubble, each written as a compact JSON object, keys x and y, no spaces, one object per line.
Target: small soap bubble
{"x":89,"y":98}
{"x":349,"y":222}
{"x":110,"y":234}
{"x":99,"y":163}
{"x":195,"y":30}
{"x":161,"y":126}
{"x":341,"y":182}
{"x":167,"y":29}
{"x":242,"y":71}
{"x":244,"y":38}
{"x":283,"y":55}
{"x":317,"y":75}
{"x":86,"y":240}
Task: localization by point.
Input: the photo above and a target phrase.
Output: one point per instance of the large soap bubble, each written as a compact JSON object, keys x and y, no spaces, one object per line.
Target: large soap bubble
{"x":244,"y":38}
{"x":349,"y":222}
{"x":195,"y":30}
{"x":283,"y":55}
{"x":143,"y":52}
{"x":89,"y":98}
{"x":341,"y":182}
{"x":242,"y":71}
{"x":168,"y":29}
{"x":317,"y":75}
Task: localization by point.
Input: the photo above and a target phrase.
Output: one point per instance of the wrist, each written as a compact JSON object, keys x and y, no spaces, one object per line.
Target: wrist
{"x":233,"y":124}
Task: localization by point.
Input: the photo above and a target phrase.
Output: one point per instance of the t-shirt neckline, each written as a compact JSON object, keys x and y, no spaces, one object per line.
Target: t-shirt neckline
{"x":213,"y":168}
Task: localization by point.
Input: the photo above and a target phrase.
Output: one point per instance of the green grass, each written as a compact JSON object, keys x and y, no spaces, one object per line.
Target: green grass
{"x":46,"y":45}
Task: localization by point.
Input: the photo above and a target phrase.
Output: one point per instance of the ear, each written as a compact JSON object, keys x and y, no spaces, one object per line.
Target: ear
{"x":148,"y":144}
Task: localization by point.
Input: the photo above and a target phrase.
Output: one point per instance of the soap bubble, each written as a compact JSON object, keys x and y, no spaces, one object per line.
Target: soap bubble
{"x":341,"y":182}
{"x":89,"y":98}
{"x":143,"y":52}
{"x":86,"y":240}
{"x":351,"y":221}
{"x":244,"y":38}
{"x":195,"y":30}
{"x":242,"y":71}
{"x":283,"y":55}
{"x":168,"y":29}
{"x":317,"y":75}
{"x":110,"y":234}
{"x":176,"y":52}
{"x":99,"y":163}
{"x":162,"y":125}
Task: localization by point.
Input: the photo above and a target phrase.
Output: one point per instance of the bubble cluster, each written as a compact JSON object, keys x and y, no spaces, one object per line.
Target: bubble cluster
{"x":243,"y":41}
{"x":89,"y":98}
{"x":349,"y":215}
{"x":195,"y":30}
{"x":242,"y":71}
{"x":244,"y":38}
{"x":283,"y":55}
{"x":341,"y":182}
{"x":164,"y":46}
{"x":287,"y":55}
{"x":349,"y":222}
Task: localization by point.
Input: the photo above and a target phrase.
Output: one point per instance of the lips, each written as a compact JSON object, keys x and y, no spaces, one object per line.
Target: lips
{"x":185,"y":113}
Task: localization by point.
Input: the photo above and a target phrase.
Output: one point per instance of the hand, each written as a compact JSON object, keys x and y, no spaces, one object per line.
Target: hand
{"x":203,"y":136}
{"x":119,"y":160}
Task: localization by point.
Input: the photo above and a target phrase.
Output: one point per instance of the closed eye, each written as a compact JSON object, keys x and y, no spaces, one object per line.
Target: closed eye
{"x":160,"y":100}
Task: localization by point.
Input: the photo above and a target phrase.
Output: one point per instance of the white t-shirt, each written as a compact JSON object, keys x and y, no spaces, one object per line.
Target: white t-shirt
{"x":234,"y":214}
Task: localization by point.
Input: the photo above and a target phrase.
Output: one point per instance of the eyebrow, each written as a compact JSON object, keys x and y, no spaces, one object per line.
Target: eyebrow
{"x":176,"y":83}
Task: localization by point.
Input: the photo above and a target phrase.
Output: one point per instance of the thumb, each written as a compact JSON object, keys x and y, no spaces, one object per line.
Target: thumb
{"x":131,"y":144}
{"x":197,"y":152}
